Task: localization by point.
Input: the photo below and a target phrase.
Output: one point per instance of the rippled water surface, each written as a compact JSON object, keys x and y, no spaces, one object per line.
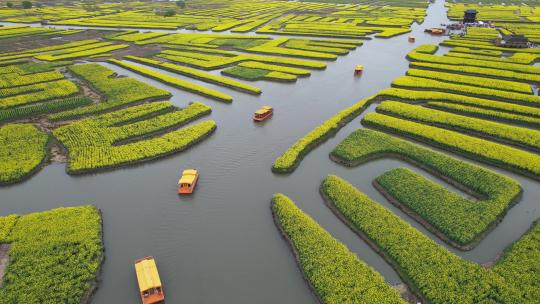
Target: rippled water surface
{"x":221,"y":245}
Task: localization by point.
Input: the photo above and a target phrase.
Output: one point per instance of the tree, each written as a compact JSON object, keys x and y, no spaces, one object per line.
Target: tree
{"x":181,"y":3}
{"x":26,"y":4}
{"x":169,"y":13}
{"x":9,"y":4}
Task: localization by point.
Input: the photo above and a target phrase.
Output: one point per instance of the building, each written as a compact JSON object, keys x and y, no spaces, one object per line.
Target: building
{"x":470,"y":16}
{"x":512,"y":41}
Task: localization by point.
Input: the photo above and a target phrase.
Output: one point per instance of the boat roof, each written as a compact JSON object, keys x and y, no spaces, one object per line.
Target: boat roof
{"x":263,"y":110}
{"x":188,"y":176}
{"x":147,"y":274}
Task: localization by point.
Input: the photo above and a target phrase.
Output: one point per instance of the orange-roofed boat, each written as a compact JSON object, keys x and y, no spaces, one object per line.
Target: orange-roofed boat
{"x":149,"y":281}
{"x":358,"y":69}
{"x":188,"y":181}
{"x":263,"y":113}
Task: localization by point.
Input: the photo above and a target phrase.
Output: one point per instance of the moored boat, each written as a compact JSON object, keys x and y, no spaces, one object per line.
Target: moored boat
{"x":150,"y":287}
{"x":263,"y":113}
{"x":188,"y":181}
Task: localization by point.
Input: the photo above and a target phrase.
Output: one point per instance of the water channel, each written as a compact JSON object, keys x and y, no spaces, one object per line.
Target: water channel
{"x":221,"y":245}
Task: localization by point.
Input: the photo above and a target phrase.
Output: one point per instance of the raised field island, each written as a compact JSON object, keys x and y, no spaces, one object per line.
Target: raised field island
{"x":325,"y":151}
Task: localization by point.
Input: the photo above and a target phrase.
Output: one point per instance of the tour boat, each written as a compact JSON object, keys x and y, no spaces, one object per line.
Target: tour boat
{"x":263,"y":113}
{"x":149,"y":281}
{"x":188,"y":181}
{"x":358,"y":69}
{"x":412,"y":38}
{"x":435,"y":31}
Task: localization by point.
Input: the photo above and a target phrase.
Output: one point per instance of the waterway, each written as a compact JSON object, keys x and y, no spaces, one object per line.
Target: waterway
{"x":220,"y":245}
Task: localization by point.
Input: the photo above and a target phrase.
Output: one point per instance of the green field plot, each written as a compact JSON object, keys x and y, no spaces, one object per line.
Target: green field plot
{"x":23,"y":149}
{"x":125,"y":137}
{"x":458,"y":219}
{"x":55,"y":255}
{"x":438,"y":275}
{"x":117,"y":91}
{"x":335,"y":274}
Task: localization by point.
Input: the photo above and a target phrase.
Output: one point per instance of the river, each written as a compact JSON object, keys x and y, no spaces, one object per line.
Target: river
{"x":220,"y":245}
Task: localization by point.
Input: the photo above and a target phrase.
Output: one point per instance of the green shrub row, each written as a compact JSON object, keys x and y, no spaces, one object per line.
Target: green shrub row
{"x":39,"y":92}
{"x":253,"y":74}
{"x":117,"y":91}
{"x":43,"y":108}
{"x":479,"y":71}
{"x":22,"y":149}
{"x":81,"y":51}
{"x":463,"y":221}
{"x":55,"y":256}
{"x":14,"y":79}
{"x":520,"y":136}
{"x":335,"y":274}
{"x":423,"y":57}
{"x":32,"y":67}
{"x":207,"y":77}
{"x":486,"y":113}
{"x":274,"y":67}
{"x":121,"y":137}
{"x":428,"y":96}
{"x":435,"y":273}
{"x":170,"y":80}
{"x":470,"y":90}
{"x":497,"y":84}
{"x":290,"y":159}
{"x":489,"y":152}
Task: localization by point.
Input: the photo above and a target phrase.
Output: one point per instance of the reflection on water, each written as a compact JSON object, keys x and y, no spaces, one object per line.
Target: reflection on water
{"x":220,"y":245}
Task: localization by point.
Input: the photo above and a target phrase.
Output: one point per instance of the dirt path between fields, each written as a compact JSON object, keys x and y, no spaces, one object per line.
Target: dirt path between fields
{"x":4,"y":260}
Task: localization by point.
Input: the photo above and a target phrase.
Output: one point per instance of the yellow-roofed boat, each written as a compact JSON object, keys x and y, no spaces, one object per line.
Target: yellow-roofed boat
{"x":149,"y":282}
{"x":358,"y":69}
{"x":188,"y":181}
{"x":263,"y":113}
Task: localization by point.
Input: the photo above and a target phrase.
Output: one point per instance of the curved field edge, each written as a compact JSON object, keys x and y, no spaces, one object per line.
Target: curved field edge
{"x":495,"y":194}
{"x":55,"y":255}
{"x":334,"y":274}
{"x":23,"y":151}
{"x":290,"y":159}
{"x":417,"y":258}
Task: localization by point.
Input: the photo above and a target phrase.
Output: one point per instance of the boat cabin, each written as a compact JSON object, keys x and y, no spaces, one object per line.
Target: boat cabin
{"x":149,"y":282}
{"x":263,"y":113}
{"x":188,"y":181}
{"x":358,"y":69}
